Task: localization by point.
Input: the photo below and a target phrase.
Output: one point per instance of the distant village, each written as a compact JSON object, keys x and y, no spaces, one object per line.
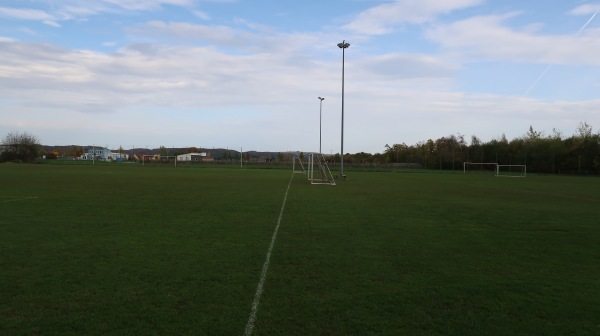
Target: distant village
{"x":162,"y":154}
{"x":105,"y":154}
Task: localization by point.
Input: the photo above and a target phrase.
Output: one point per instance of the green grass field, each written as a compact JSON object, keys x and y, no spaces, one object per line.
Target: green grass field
{"x":124,"y":249}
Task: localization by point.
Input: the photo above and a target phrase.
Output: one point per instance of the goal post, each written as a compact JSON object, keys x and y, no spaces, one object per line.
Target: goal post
{"x":297,"y":166}
{"x":318,"y":171}
{"x":480,"y":167}
{"x":511,"y":170}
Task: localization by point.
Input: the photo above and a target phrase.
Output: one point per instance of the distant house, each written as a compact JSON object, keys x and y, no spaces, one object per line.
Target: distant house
{"x":101,"y":153}
{"x":142,"y":157}
{"x":119,"y":156}
{"x":96,"y":153}
{"x":191,"y":157}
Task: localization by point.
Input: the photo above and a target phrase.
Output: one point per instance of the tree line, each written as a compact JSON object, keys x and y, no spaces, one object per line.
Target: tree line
{"x":551,"y":154}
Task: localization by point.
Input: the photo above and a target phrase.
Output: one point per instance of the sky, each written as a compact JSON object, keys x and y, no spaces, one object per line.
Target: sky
{"x":247,"y":73}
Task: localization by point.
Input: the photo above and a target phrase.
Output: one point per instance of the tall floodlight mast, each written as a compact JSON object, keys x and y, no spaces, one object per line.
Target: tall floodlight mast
{"x":320,"y":118}
{"x":343,"y":46}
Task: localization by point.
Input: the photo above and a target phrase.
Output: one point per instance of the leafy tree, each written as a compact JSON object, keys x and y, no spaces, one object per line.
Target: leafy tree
{"x":20,"y":146}
{"x":75,"y":151}
{"x":396,"y":153}
{"x":584,"y":150}
{"x":362,"y":158}
{"x":578,"y":154}
{"x":584,"y":130}
{"x":52,"y":155}
{"x":163,"y":151}
{"x":57,"y":152}
{"x":532,"y":135}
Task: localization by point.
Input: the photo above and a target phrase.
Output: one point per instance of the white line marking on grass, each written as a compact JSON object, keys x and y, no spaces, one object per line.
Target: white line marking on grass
{"x":18,"y":199}
{"x":263,"y":274}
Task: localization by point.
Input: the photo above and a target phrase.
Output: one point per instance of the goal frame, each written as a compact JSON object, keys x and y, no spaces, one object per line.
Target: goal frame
{"x":324,"y":175}
{"x":523,"y":172}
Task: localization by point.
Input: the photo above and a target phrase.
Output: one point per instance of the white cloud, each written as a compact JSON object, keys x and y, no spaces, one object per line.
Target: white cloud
{"x":586,"y":9}
{"x":382,"y":19}
{"x":201,"y":15}
{"x":490,"y":38}
{"x":78,"y":9}
{"x":51,"y":23}
{"x":200,"y":96}
{"x":260,"y":41}
{"x":147,"y":4}
{"x":141,"y":74}
{"x":221,"y":34}
{"x":407,"y":66}
{"x":25,"y":14}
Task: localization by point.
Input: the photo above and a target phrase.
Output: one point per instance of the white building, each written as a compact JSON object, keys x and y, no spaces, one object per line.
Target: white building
{"x":189,"y":157}
{"x":96,"y":153}
{"x":119,"y":156}
{"x":101,"y":153}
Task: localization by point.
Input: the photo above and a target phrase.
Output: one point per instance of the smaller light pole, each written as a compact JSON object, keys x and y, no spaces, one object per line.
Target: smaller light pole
{"x":343,"y":46}
{"x":320,"y":118}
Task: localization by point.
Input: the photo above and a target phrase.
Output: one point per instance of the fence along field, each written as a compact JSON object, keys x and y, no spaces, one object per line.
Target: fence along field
{"x":124,"y":249}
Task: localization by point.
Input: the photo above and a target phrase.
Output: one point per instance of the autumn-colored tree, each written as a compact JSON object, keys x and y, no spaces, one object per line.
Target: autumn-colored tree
{"x":57,"y":151}
{"x":75,"y":151}
{"x":52,"y":155}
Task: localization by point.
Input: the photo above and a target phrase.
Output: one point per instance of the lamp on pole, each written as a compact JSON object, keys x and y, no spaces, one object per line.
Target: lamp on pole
{"x":343,"y":46}
{"x":320,"y":118}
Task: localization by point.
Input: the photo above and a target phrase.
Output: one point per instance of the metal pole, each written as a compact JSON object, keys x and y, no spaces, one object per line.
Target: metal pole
{"x":320,"y":123}
{"x":343,"y":45}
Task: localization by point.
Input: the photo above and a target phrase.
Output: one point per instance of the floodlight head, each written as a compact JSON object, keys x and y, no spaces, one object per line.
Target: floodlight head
{"x":321,"y":98}
{"x":343,"y":45}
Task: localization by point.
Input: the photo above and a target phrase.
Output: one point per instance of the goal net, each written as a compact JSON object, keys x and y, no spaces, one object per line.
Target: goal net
{"x":480,"y":167}
{"x":511,"y":170}
{"x":318,"y":171}
{"x":297,"y":166}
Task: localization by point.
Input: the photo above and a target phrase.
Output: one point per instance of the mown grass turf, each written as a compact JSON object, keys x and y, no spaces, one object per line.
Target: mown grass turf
{"x":437,"y":254}
{"x":134,"y":250}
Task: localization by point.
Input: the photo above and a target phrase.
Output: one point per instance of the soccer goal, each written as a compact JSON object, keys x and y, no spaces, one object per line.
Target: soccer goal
{"x":318,"y":171}
{"x":480,"y":167}
{"x":511,"y":170}
{"x":297,"y":166}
